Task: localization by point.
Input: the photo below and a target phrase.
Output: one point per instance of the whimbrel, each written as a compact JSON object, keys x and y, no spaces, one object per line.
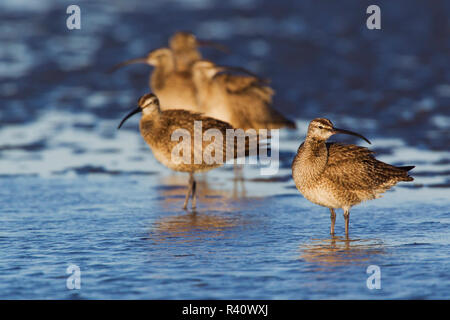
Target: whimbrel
{"x":337,"y":175}
{"x":244,"y":101}
{"x":157,"y":127}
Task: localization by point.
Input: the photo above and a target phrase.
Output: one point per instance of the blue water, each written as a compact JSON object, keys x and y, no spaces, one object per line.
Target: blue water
{"x":75,"y":191}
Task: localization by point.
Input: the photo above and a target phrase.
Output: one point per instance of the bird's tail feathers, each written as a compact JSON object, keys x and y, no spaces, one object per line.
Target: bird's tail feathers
{"x":406,"y":169}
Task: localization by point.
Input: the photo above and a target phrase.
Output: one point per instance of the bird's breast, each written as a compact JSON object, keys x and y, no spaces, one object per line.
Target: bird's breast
{"x":307,"y":171}
{"x":322,"y":195}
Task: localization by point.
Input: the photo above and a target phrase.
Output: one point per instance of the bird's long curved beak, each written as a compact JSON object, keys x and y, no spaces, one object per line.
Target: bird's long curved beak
{"x":137,"y":110}
{"x":336,"y":130}
{"x":213,"y":44}
{"x":125,"y":63}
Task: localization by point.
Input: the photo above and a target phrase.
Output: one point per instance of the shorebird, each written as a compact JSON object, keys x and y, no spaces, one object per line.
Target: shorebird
{"x":244,"y":101}
{"x":337,"y":175}
{"x":157,"y":127}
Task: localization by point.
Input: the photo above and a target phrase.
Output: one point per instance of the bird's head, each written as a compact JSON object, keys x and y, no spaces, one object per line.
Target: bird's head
{"x":185,"y":41}
{"x":159,"y":57}
{"x":181,"y":41}
{"x":147,"y":104}
{"x":205,"y":69}
{"x":321,"y":129}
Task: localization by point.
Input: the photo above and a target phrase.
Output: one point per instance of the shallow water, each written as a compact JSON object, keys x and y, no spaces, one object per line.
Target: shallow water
{"x":77,"y":191}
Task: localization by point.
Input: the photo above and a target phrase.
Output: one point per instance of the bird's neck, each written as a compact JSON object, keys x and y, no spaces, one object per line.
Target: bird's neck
{"x":311,"y":158}
{"x":151,"y":115}
{"x":203,"y":86}
{"x":185,"y":58}
{"x":149,"y":126}
{"x":315,"y":146}
{"x":160,"y":74}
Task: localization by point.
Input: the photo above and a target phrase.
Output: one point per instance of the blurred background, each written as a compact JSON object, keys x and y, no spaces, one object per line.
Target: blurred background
{"x":64,"y":167}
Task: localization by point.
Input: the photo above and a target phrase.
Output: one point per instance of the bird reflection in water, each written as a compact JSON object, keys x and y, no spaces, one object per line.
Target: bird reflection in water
{"x":339,"y":251}
{"x":216,"y":216}
{"x":214,"y":196}
{"x":193,"y":226}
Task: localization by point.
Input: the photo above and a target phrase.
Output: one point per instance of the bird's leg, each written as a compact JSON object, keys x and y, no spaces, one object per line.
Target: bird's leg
{"x":238,"y":172}
{"x":188,"y":193}
{"x":347,"y":220}
{"x":333,"y":220}
{"x":243,"y":191}
{"x":194,"y":189}
{"x":239,"y":179}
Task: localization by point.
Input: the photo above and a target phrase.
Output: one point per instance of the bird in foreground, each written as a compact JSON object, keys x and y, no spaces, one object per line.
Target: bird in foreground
{"x":157,"y":126}
{"x":336,"y":175}
{"x":171,"y":79}
{"x":244,"y":101}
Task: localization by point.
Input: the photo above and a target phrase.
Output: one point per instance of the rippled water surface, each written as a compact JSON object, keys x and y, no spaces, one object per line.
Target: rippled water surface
{"x":74,"y":190}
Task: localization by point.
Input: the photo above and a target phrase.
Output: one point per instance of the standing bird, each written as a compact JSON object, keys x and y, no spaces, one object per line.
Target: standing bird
{"x":244,"y":101}
{"x":337,"y":175}
{"x":158,"y":127}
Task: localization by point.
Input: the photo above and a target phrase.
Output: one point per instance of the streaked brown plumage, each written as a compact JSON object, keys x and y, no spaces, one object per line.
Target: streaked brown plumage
{"x":243,"y":101}
{"x":157,"y":128}
{"x":337,"y":175}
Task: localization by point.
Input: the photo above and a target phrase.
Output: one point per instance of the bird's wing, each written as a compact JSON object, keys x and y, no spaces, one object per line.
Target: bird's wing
{"x":342,"y":153}
{"x":252,"y":100}
{"x":277,"y":120}
{"x":212,"y":133}
{"x":355,"y":168}
{"x":249,"y":85}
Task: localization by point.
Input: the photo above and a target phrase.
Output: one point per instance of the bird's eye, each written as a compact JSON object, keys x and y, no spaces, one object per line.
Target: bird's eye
{"x":320,"y":127}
